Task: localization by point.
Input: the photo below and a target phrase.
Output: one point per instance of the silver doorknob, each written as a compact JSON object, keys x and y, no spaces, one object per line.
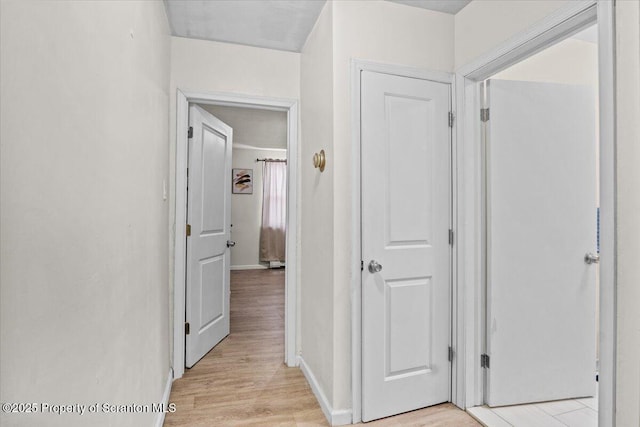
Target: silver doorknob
{"x":590,"y":258}
{"x":374,"y":267}
{"x":230,"y":243}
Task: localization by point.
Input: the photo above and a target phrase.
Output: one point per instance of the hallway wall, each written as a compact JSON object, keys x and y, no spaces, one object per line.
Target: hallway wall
{"x":628,"y":199}
{"x":483,"y":24}
{"x":316,"y":296}
{"x":83,"y":298}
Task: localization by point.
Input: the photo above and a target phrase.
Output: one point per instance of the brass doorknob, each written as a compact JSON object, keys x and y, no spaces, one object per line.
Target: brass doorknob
{"x":319,"y":160}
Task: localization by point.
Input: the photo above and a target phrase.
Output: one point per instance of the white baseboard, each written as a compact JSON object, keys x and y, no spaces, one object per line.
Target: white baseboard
{"x":341,"y":417}
{"x":165,"y":399}
{"x":249,"y":267}
{"x":335,"y":418}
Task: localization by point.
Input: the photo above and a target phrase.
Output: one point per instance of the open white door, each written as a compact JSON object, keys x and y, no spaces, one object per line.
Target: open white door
{"x":541,"y":210}
{"x":406,"y":143}
{"x":209,"y":213}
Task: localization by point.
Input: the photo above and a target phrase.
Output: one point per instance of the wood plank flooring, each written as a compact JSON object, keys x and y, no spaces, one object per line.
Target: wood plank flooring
{"x":244,"y":382}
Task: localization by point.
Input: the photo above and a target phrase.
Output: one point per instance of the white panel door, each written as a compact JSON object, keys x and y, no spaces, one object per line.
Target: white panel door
{"x":541,"y":178}
{"x":406,"y":143}
{"x":209,"y":214}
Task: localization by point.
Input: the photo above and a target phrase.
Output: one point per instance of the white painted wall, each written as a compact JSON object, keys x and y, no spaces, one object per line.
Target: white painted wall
{"x":251,"y":128}
{"x":628,"y":196}
{"x":316,"y":110}
{"x":484,"y":24}
{"x":571,"y":61}
{"x":84,"y":122}
{"x":205,"y":66}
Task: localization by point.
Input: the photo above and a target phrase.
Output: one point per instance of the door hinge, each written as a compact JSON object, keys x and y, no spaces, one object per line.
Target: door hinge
{"x":450,"y":354}
{"x":186,"y":328}
{"x":450,"y":119}
{"x":361,"y":265}
{"x":188,"y":230}
{"x":484,"y":114}
{"x":451,"y":237}
{"x":484,"y":361}
{"x":190,"y":132}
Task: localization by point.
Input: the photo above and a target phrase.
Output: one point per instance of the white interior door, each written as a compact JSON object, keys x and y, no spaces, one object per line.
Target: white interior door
{"x":209,"y":214}
{"x":405,"y":230}
{"x":541,"y":181}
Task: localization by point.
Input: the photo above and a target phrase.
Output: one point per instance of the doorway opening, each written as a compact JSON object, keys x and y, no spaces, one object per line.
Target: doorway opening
{"x":234,"y":104}
{"x":236,"y":214}
{"x":541,"y":151}
{"x":259,"y":187}
{"x":472,"y":266}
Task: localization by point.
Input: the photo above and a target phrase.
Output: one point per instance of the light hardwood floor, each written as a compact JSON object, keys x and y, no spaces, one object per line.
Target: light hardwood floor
{"x":243,"y":381}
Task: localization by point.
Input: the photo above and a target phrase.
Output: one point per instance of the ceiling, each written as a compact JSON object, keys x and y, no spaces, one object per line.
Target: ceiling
{"x":274,"y":24}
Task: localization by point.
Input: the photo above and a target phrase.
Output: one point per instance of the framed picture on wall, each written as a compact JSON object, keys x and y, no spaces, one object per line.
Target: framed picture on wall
{"x":242,"y":181}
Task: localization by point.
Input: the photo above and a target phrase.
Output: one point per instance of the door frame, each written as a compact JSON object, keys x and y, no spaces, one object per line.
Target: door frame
{"x":471,"y":266}
{"x":357,"y":66}
{"x":290,"y":106}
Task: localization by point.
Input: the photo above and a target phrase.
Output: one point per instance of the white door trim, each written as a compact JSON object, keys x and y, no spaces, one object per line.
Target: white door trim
{"x":357,"y":66}
{"x":470,"y":218}
{"x":183,"y":99}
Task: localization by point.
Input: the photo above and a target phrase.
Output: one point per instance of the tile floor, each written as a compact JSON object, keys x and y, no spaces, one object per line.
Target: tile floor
{"x":561,"y":413}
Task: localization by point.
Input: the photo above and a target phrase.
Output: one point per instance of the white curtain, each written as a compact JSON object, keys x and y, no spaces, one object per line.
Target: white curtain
{"x":274,"y":211}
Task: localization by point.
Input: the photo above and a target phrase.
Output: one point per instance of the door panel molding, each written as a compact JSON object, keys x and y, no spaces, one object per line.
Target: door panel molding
{"x":291,"y":107}
{"x":357,"y":66}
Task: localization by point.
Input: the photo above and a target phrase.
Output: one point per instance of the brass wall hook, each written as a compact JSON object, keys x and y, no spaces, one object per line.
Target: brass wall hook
{"x":319,"y":160}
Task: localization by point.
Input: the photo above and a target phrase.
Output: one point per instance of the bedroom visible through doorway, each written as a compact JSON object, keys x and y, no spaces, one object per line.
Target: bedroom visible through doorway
{"x":259,"y":188}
